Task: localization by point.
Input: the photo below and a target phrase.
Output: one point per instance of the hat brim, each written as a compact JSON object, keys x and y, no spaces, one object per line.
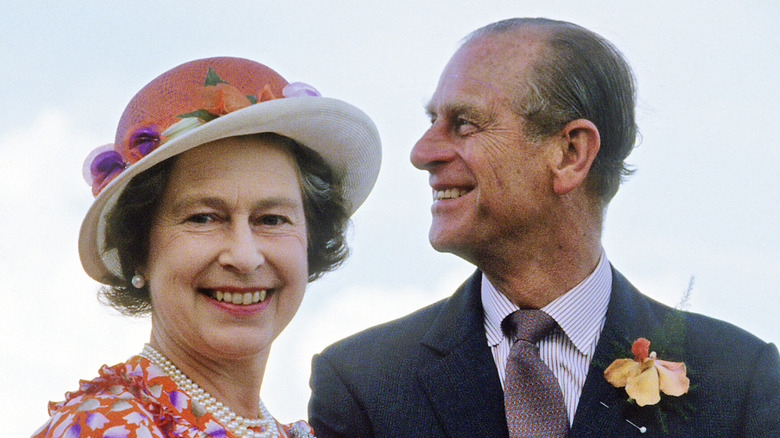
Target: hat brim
{"x":343,"y":135}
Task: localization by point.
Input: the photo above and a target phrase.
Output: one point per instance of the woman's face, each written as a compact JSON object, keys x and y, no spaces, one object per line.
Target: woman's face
{"x":227,"y":264}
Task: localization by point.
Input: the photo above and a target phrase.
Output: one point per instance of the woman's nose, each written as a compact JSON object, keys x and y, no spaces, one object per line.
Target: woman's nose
{"x":242,"y":252}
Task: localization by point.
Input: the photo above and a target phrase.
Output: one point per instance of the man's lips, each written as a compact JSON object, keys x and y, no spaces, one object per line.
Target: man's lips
{"x":243,"y":297}
{"x":451,"y":193}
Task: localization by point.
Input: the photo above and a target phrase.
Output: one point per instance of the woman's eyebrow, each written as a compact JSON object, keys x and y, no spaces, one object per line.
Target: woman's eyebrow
{"x":220,"y":203}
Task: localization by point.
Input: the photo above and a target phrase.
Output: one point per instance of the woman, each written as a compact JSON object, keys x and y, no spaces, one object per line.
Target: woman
{"x":226,"y":191}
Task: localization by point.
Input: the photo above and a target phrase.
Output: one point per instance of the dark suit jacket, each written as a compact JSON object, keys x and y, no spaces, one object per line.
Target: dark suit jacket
{"x":431,"y":374}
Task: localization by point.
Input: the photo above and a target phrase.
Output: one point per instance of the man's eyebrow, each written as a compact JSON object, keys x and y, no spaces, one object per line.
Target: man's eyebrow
{"x":429,"y":108}
{"x":460,"y":109}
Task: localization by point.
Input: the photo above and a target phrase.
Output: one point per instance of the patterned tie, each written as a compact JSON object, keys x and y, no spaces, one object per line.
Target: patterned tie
{"x":532,"y":397}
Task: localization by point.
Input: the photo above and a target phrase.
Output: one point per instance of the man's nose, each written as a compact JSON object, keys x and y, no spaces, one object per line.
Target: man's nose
{"x":431,"y":149}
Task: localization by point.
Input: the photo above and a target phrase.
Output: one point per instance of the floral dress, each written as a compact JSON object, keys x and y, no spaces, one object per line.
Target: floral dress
{"x":136,"y":399}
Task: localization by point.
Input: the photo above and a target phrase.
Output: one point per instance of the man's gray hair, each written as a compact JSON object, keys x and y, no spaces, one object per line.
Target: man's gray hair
{"x":578,"y":75}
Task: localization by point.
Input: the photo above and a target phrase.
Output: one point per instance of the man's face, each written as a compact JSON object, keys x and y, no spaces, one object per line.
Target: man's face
{"x":489,"y":181}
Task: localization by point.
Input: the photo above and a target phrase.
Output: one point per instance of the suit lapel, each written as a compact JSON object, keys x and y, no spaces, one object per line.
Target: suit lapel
{"x":462,"y":385}
{"x":458,"y":373}
{"x":602,"y":409}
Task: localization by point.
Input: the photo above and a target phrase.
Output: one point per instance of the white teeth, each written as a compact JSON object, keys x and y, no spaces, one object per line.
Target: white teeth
{"x":448,"y":194}
{"x":245,"y":298}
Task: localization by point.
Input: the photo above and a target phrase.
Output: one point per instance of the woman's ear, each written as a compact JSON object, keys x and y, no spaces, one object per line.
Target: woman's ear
{"x":580,"y":142}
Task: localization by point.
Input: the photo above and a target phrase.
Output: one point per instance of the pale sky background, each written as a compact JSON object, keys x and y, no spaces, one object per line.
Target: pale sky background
{"x":702,"y":203}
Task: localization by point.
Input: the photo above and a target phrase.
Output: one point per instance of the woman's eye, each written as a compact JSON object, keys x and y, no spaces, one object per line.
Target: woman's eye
{"x":272,"y":220}
{"x":200,"y":218}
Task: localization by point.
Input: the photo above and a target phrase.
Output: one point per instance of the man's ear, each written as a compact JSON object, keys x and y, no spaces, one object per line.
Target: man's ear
{"x":579,"y":144}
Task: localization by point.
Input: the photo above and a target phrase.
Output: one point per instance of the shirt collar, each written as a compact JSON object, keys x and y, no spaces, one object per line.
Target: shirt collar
{"x":580,"y":312}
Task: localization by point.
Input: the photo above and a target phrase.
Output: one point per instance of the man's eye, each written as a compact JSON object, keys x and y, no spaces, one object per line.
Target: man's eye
{"x":464,"y":126}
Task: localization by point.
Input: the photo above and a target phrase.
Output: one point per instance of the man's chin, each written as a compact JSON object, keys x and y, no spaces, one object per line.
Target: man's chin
{"x":449,"y":242}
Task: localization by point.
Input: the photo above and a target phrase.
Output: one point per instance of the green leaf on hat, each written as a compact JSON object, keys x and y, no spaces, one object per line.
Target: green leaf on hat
{"x":201,"y":114}
{"x":251,"y":98}
{"x":212,"y":78}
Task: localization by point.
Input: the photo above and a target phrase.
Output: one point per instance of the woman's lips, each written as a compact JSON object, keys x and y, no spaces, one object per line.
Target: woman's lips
{"x":242,"y":298}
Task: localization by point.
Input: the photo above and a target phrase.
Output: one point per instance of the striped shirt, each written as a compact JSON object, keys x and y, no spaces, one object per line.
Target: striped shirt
{"x":568,"y":349}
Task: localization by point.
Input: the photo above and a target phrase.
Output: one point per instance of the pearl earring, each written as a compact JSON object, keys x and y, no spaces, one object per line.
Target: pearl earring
{"x":138,"y":281}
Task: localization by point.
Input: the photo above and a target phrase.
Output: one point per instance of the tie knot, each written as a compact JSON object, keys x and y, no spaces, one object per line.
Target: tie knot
{"x":529,"y":325}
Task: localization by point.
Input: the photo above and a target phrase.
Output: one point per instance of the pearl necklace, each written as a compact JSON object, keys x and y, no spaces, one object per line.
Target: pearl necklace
{"x":236,"y":424}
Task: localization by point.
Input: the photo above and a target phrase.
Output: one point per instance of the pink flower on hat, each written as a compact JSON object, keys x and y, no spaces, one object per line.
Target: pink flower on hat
{"x":299,"y":89}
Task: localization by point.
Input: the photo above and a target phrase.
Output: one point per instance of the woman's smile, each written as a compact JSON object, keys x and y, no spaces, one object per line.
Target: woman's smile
{"x":236,"y":297}
{"x":237,"y":303}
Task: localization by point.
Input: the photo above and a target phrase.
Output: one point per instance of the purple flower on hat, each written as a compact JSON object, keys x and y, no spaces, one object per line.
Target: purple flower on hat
{"x":106,"y":162}
{"x":101,"y":166}
{"x":140,"y":141}
{"x":299,"y":89}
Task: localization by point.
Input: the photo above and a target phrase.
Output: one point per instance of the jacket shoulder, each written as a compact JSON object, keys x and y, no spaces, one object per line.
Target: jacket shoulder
{"x":627,"y":303}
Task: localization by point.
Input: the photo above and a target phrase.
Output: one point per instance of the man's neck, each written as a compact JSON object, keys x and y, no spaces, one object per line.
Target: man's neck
{"x":539,"y":269}
{"x":535,"y":283}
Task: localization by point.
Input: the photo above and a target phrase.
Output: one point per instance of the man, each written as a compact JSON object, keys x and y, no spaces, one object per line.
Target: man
{"x":531,"y":122}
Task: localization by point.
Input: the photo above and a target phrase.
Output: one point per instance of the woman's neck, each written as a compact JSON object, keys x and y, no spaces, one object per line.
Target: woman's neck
{"x":235,"y":382}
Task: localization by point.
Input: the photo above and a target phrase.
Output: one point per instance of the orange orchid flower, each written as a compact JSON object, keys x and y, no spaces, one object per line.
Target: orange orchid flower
{"x":646,"y":376}
{"x":221,"y":99}
{"x":266,"y":94}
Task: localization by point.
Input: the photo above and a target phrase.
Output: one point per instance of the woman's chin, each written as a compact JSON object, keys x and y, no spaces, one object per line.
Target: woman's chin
{"x":217,"y":345}
{"x":239,"y":344}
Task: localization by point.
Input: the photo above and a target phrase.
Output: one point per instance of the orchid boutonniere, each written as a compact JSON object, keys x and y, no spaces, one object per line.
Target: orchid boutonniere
{"x":645,"y":376}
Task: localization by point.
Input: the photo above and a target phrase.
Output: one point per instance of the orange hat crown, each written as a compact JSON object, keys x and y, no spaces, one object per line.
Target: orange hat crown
{"x":150,"y":119}
{"x":180,"y":90}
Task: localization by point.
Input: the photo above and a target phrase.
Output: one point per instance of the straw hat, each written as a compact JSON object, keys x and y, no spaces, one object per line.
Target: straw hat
{"x":209,"y":99}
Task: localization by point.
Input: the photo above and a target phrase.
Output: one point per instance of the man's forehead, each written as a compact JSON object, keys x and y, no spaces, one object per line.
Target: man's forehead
{"x":497,"y":58}
{"x":477,"y":82}
{"x":486,"y":71}
{"x":462,"y":93}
